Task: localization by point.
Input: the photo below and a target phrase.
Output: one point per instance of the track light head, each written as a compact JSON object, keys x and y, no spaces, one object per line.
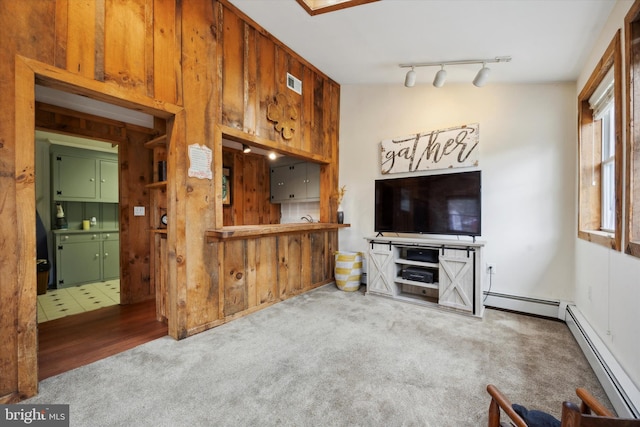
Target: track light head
{"x":246,"y":149}
{"x":441,"y":76}
{"x":410,"y":78}
{"x":482,"y":76}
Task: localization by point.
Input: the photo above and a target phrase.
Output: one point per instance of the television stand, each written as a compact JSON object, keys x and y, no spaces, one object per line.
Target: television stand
{"x":431,"y":272}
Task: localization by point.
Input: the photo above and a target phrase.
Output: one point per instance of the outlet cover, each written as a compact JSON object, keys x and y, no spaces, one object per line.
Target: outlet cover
{"x":491,"y":268}
{"x":138,"y":211}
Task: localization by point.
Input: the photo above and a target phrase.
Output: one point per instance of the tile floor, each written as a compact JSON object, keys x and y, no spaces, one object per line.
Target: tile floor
{"x":63,"y":302}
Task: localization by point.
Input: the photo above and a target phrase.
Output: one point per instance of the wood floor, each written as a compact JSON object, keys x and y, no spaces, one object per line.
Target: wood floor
{"x":77,"y":340}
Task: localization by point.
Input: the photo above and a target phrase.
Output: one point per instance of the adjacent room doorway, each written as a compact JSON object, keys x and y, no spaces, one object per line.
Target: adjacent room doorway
{"x":30,"y":73}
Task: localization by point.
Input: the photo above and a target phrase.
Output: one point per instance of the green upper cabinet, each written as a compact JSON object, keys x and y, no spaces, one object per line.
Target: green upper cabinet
{"x":80,"y":175}
{"x":298,"y":182}
{"x":74,"y":178}
{"x":108,"y":181}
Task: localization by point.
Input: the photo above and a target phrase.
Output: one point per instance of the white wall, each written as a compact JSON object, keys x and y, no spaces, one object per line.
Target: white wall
{"x":607,"y":281}
{"x":527,"y":158}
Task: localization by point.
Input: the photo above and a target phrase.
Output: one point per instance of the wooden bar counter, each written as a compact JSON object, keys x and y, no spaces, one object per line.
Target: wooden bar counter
{"x":252,"y":231}
{"x":263,"y":264}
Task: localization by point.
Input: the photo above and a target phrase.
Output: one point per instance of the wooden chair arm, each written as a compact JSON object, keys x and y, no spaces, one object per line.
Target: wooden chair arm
{"x":499,"y":401}
{"x":591,"y":404}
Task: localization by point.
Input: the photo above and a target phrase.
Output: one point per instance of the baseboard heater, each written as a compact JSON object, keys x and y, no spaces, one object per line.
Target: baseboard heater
{"x":539,"y":307}
{"x":622,"y":392}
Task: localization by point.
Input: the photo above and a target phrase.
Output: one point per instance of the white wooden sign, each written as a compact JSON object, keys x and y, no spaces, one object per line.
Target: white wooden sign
{"x":200,"y":157}
{"x":438,"y":149}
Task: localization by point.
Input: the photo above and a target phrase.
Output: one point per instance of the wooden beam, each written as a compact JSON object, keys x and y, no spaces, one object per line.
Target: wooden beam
{"x":50,"y":76}
{"x":26,"y":292}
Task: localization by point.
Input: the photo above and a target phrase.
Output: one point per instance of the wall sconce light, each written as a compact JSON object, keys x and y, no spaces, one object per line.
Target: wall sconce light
{"x":479,"y":80}
{"x":246,"y":149}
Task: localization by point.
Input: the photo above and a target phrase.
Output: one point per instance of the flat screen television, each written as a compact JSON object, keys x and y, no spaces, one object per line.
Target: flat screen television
{"x":447,"y":204}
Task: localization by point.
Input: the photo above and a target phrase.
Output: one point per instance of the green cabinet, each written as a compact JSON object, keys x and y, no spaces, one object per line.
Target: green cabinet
{"x":86,"y":257}
{"x":80,"y":175}
{"x":108,"y":181}
{"x":110,"y":256}
{"x":74,"y":178}
{"x":298,"y":182}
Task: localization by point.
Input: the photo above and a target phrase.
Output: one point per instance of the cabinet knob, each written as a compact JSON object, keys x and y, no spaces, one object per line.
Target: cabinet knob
{"x":106,"y":254}
{"x":94,"y":236}
{"x":107,"y":236}
{"x":92,"y":179}
{"x":65,"y":237}
{"x":97,"y":255}
{"x":103,"y":180}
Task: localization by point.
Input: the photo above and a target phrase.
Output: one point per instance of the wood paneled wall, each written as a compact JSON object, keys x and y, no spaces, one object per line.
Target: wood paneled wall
{"x":261,"y":271}
{"x":250,"y":188}
{"x":206,"y":57}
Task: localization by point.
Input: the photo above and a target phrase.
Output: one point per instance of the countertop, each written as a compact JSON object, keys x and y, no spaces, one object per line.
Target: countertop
{"x":90,"y":231}
{"x":248,"y":231}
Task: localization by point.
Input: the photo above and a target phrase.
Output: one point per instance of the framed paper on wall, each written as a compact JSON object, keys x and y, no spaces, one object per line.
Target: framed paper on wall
{"x":226,"y":186}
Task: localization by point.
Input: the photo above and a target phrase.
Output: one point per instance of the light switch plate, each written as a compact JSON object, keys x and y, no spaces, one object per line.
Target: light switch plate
{"x":138,"y":211}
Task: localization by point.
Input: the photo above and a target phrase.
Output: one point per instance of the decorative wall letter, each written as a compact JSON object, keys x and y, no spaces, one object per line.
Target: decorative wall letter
{"x":284,"y":115}
{"x":438,"y":149}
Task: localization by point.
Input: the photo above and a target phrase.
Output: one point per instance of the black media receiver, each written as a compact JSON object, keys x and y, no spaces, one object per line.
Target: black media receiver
{"x":424,"y":255}
{"x":418,"y":274}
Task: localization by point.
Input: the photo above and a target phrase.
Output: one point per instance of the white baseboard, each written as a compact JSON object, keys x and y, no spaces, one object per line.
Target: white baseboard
{"x":622,"y":392}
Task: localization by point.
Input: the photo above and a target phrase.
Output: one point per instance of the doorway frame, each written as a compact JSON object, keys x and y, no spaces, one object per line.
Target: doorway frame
{"x":28,"y":73}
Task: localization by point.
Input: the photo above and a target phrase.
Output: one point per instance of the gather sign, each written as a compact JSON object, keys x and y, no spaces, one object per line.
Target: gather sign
{"x":437,"y":149}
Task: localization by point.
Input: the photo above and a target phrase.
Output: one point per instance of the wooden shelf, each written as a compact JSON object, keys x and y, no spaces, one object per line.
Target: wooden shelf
{"x":160,"y":141}
{"x":419,"y":284}
{"x":405,"y":261}
{"x":159,"y":184}
{"x":159,"y":231}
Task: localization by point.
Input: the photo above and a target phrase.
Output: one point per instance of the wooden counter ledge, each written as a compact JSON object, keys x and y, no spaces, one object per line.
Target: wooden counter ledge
{"x":253,"y":231}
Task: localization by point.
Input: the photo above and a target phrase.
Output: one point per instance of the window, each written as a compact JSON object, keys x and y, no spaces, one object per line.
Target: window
{"x":632,"y":178}
{"x":600,"y":151}
{"x":607,"y":178}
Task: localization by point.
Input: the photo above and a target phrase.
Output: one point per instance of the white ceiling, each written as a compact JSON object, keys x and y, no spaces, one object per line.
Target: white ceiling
{"x":548,"y":40}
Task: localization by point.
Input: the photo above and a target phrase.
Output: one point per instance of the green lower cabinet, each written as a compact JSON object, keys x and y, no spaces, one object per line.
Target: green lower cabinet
{"x":86,"y":258}
{"x":77,"y":263}
{"x":110,"y":258}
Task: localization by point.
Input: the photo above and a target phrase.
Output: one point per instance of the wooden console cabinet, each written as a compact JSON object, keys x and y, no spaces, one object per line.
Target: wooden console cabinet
{"x":431,"y":272}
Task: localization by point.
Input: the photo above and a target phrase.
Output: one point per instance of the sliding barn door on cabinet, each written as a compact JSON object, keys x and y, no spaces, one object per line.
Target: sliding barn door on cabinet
{"x":457,"y":279}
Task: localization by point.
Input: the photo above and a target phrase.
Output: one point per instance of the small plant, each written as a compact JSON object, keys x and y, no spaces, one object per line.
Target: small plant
{"x":341,"y":192}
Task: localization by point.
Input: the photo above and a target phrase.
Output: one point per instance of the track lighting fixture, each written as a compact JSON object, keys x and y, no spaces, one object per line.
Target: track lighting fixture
{"x":482,"y":76}
{"x":410,"y":78}
{"x":440,"y":77}
{"x":246,"y":149}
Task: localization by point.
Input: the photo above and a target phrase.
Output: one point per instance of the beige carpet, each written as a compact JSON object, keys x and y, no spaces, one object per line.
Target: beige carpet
{"x":331,"y":358}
